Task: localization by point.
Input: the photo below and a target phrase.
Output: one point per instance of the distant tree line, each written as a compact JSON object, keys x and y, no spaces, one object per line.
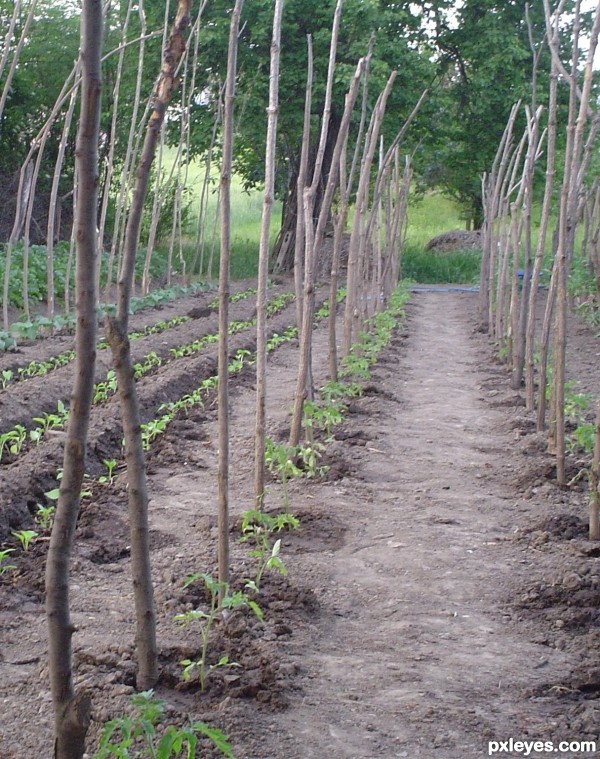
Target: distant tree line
{"x":475,"y":61}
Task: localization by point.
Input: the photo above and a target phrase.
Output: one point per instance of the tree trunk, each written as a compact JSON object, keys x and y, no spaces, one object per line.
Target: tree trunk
{"x":71,"y":709}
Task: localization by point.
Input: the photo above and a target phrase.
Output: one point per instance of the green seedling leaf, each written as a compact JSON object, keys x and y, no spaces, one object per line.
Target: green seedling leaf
{"x":216,"y":736}
{"x":4,"y":567}
{"x":25,"y":537}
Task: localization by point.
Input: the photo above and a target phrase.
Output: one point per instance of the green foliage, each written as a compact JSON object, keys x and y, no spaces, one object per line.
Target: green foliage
{"x":7,"y":342}
{"x":429,"y":267}
{"x":259,"y":527}
{"x":25,"y":538}
{"x":577,"y":408}
{"x":36,"y":281}
{"x":485,"y":63}
{"x":4,"y":566}
{"x":222,"y":602}
{"x":280,"y":459}
{"x":44,"y":516}
{"x":136,"y":736}
{"x":324,"y":416}
{"x":110,"y":465}
{"x":13,"y":440}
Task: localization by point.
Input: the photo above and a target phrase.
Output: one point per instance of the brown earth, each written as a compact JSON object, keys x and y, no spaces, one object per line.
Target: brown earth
{"x":441,"y":590}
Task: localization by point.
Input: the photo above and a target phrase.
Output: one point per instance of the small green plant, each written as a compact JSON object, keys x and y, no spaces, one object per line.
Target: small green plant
{"x":308,"y":456}
{"x":45,"y":516}
{"x":4,"y":566}
{"x":26,"y":330}
{"x":110,"y":465}
{"x":25,"y":538}
{"x":153,"y":429}
{"x":135,"y":737}
{"x":258,"y":528}
{"x":13,"y":440}
{"x":280,"y":459}
{"x":221,"y":602}
{"x":324,"y":416}
{"x":7,"y":341}
{"x":103,"y":390}
{"x":7,"y":376}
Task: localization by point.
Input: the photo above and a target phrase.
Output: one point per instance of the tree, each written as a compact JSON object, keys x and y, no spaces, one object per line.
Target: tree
{"x":400,"y":44}
{"x":485,"y":65}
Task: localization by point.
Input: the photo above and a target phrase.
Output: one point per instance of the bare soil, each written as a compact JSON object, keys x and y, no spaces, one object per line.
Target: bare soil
{"x":441,"y":591}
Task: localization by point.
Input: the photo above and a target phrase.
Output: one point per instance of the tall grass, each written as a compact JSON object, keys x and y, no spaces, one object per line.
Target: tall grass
{"x":430,"y":268}
{"x":428,"y":217}
{"x":246,"y":211}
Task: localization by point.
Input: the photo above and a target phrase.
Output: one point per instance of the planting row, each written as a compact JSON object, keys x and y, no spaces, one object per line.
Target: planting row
{"x":36,"y":368}
{"x":24,"y":482}
{"x":22,"y":406}
{"x":43,"y":326}
{"x":262,"y":533}
{"x":13,"y":440}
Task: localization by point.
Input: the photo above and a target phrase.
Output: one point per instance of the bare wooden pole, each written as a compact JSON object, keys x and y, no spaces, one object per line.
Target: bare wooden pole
{"x":224,"y":286}
{"x":71,"y":708}
{"x":541,"y":243}
{"x":494,"y":183}
{"x":311,"y":243}
{"x":17,"y":53}
{"x":299,"y":242}
{"x":346,"y":184}
{"x":351,"y":315}
{"x":263,"y":262}
{"x":53,"y":205}
{"x":518,"y":358}
{"x":117,"y":334}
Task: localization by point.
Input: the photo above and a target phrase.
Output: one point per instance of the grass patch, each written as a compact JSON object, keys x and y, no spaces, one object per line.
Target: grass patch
{"x":429,"y":216}
{"x":429,"y":268}
{"x":246,"y":212}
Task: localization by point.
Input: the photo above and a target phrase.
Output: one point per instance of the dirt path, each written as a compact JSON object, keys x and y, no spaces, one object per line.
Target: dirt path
{"x":411,"y":623}
{"x":415,"y":654}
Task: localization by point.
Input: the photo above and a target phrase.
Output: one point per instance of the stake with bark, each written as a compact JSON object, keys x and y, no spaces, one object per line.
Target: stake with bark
{"x":71,"y":708}
{"x":263,"y":263}
{"x":223,"y":350}
{"x":117,"y":335}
